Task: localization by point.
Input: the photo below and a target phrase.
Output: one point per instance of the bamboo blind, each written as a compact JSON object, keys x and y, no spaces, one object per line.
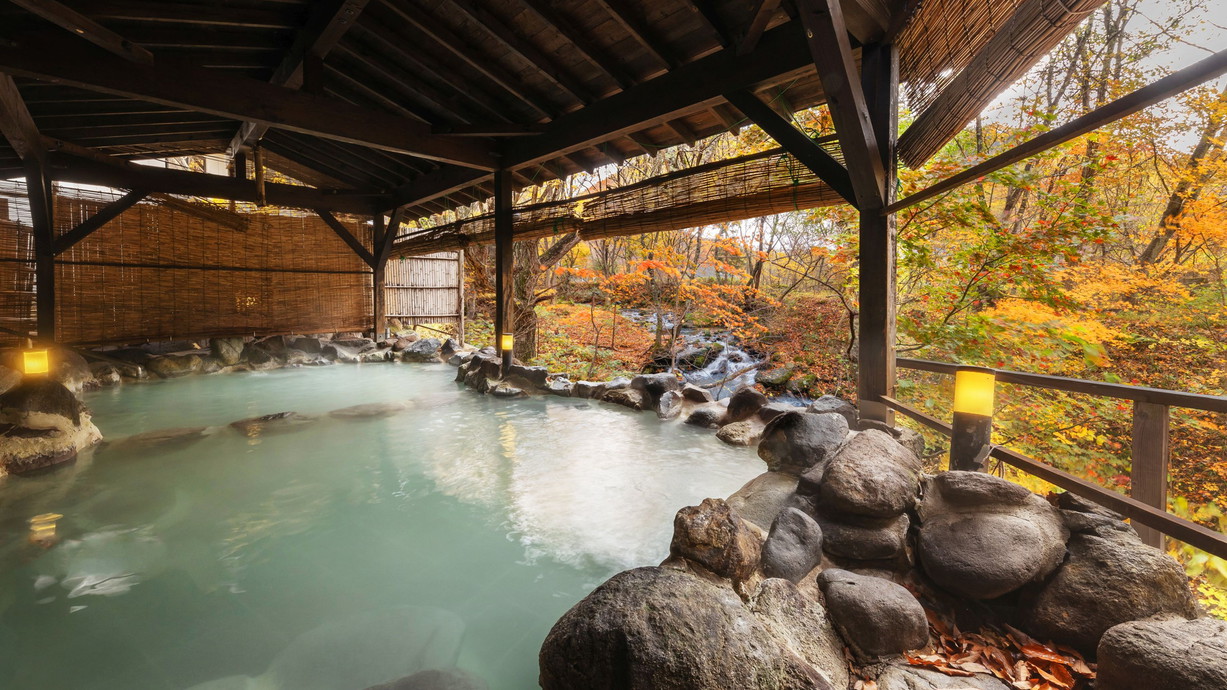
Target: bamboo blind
{"x":748,"y":187}
{"x":159,"y":273}
{"x":424,"y":289}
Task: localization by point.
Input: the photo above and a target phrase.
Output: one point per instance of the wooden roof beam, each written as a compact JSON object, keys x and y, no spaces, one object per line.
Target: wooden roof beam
{"x":239,"y":98}
{"x":591,"y":51}
{"x":795,"y":142}
{"x":327,"y":24}
{"x":343,"y":232}
{"x":80,"y":25}
{"x":16,"y":124}
{"x":638,"y":31}
{"x":832,"y":53}
{"x":706,"y":10}
{"x":763,"y":12}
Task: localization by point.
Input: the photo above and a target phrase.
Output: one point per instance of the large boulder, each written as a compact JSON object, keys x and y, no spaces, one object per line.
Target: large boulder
{"x":43,"y":424}
{"x":982,"y":537}
{"x":871,"y":476}
{"x":875,"y":616}
{"x":707,"y":415}
{"x":666,"y":629}
{"x":534,"y":377}
{"x":829,"y":403}
{"x":1109,"y":578}
{"x":795,"y":442}
{"x":770,"y":411}
{"x":228,"y":351}
{"x":423,"y":350}
{"x":744,"y":404}
{"x":628,"y":397}
{"x":762,"y":498}
{"x":711,"y":535}
{"x":261,"y":357}
{"x":1149,"y":655}
{"x":656,"y":385}
{"x":793,"y":547}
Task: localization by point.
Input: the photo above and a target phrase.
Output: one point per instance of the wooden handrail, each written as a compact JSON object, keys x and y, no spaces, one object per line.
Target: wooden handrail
{"x":1157,"y":396}
{"x":1140,"y":513}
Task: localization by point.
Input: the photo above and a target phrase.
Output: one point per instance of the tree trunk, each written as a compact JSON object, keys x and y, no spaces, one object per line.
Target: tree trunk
{"x":530,"y":266}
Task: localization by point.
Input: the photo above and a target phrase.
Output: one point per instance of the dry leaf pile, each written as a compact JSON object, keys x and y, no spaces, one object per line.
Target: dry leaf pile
{"x":1013,"y":656}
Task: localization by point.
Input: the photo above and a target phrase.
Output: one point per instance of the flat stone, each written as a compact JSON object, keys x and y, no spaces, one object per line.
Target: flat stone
{"x":560,"y":387}
{"x":713,"y":536}
{"x":866,"y":539}
{"x":627,"y":397}
{"x":368,"y":410}
{"x":762,"y":498}
{"x":1155,"y":655}
{"x":795,"y":442}
{"x":1109,"y":578}
{"x":793,"y":547}
{"x":696,"y":394}
{"x":876,"y":617}
{"x":916,"y":678}
{"x":505,"y":390}
{"x":436,"y":679}
{"x":744,"y":433}
{"x":160,"y":438}
{"x":275,"y":422}
{"x":829,"y":403}
{"x":586,"y":389}
{"x":534,"y":377}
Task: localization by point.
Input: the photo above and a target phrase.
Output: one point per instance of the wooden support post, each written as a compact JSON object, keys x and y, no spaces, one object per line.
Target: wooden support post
{"x":258,"y":159}
{"x":503,"y":261}
{"x":1151,"y":456}
{"x":460,"y":294}
{"x":379,"y":307}
{"x":876,"y":341}
{"x":42,"y":213}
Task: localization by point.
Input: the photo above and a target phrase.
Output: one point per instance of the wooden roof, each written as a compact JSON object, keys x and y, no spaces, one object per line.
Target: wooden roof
{"x":382,"y":103}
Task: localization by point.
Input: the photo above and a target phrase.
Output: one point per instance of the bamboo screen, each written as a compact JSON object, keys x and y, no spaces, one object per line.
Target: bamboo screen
{"x":724,"y":191}
{"x":159,"y":273}
{"x":16,"y":265}
{"x":424,"y":289}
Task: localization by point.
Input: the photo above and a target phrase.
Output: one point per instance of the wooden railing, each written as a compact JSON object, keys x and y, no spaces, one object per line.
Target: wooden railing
{"x":1146,"y":506}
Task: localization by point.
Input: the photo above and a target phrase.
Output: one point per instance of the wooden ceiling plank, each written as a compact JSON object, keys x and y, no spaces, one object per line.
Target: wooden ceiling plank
{"x":16,"y":124}
{"x":344,"y":174}
{"x":638,"y":31}
{"x":763,"y":13}
{"x":78,"y":24}
{"x":240,"y":98}
{"x":716,"y":26}
{"x":832,"y":53}
{"x":506,"y":35}
{"x":582,"y":43}
{"x":327,"y":24}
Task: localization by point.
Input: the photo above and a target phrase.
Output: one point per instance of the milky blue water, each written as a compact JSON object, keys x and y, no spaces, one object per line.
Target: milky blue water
{"x":340,"y":553}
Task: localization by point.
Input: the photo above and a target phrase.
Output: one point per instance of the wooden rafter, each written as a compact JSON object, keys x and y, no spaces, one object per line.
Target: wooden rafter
{"x":81,"y":25}
{"x":763,"y":11}
{"x":16,"y":124}
{"x":239,"y":98}
{"x":343,"y":232}
{"x":104,"y":215}
{"x":832,"y":53}
{"x":795,"y":142}
{"x":633,"y":26}
{"x":327,"y":24}
{"x":582,"y":43}
{"x":706,"y":11}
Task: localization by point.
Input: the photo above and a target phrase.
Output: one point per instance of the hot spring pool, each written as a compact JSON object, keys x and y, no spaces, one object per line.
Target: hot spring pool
{"x":345,"y":552}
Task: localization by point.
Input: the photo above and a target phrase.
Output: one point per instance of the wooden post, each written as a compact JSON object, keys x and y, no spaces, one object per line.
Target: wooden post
{"x":460,"y":294}
{"x":503,"y":261}
{"x":1151,"y":456}
{"x":876,"y":346}
{"x":379,"y":307}
{"x":42,"y":213}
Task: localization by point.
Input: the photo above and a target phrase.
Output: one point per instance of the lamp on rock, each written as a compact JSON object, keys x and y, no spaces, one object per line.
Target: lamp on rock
{"x":35,"y":362}
{"x":972,"y":426}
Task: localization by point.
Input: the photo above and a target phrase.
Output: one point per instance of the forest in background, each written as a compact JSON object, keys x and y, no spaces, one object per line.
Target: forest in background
{"x":1103,"y":259}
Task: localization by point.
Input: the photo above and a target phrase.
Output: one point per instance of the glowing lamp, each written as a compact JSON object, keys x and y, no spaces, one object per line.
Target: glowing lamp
{"x":35,"y":362}
{"x":506,"y":342}
{"x":973,"y":391}
{"x":971,"y":430}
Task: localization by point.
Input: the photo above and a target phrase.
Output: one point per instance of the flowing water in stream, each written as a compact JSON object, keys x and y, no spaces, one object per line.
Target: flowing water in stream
{"x":340,"y":553}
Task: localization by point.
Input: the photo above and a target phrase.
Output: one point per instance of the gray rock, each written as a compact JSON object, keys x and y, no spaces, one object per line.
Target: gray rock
{"x":829,"y":403}
{"x":794,"y":442}
{"x":696,"y":394}
{"x":436,"y":679}
{"x":174,"y":366}
{"x":875,"y":616}
{"x":455,"y":360}
{"x":260,"y":358}
{"x":159,"y":438}
{"x":505,"y":390}
{"x":871,"y":475}
{"x":1083,"y":516}
{"x":775,"y":378}
{"x":666,"y":629}
{"x":763,"y":497}
{"x":304,"y":343}
{"x":356,"y":343}
{"x":449,"y":347}
{"x":866,"y":539}
{"x":770,"y":411}
{"x":402,"y":343}
{"x":669,"y":405}
{"x":586,"y":389}
{"x":745,"y":433}
{"x":713,"y":536}
{"x":105,"y":374}
{"x":559,"y":386}
{"x":369,"y":410}
{"x":210,"y":365}
{"x":628,"y":397}
{"x":656,"y":385}
{"x":534,"y":377}
{"x":744,"y":404}
{"x":35,"y":397}
{"x":793,"y":547}
{"x":1154,"y":655}
{"x":42,"y":424}
{"x":423,"y":350}
{"x":708,"y":416}
{"x":982,"y":537}
{"x":1109,"y":578}
{"x":270,"y":423}
{"x":378,"y":355}
{"x":915,"y":678}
